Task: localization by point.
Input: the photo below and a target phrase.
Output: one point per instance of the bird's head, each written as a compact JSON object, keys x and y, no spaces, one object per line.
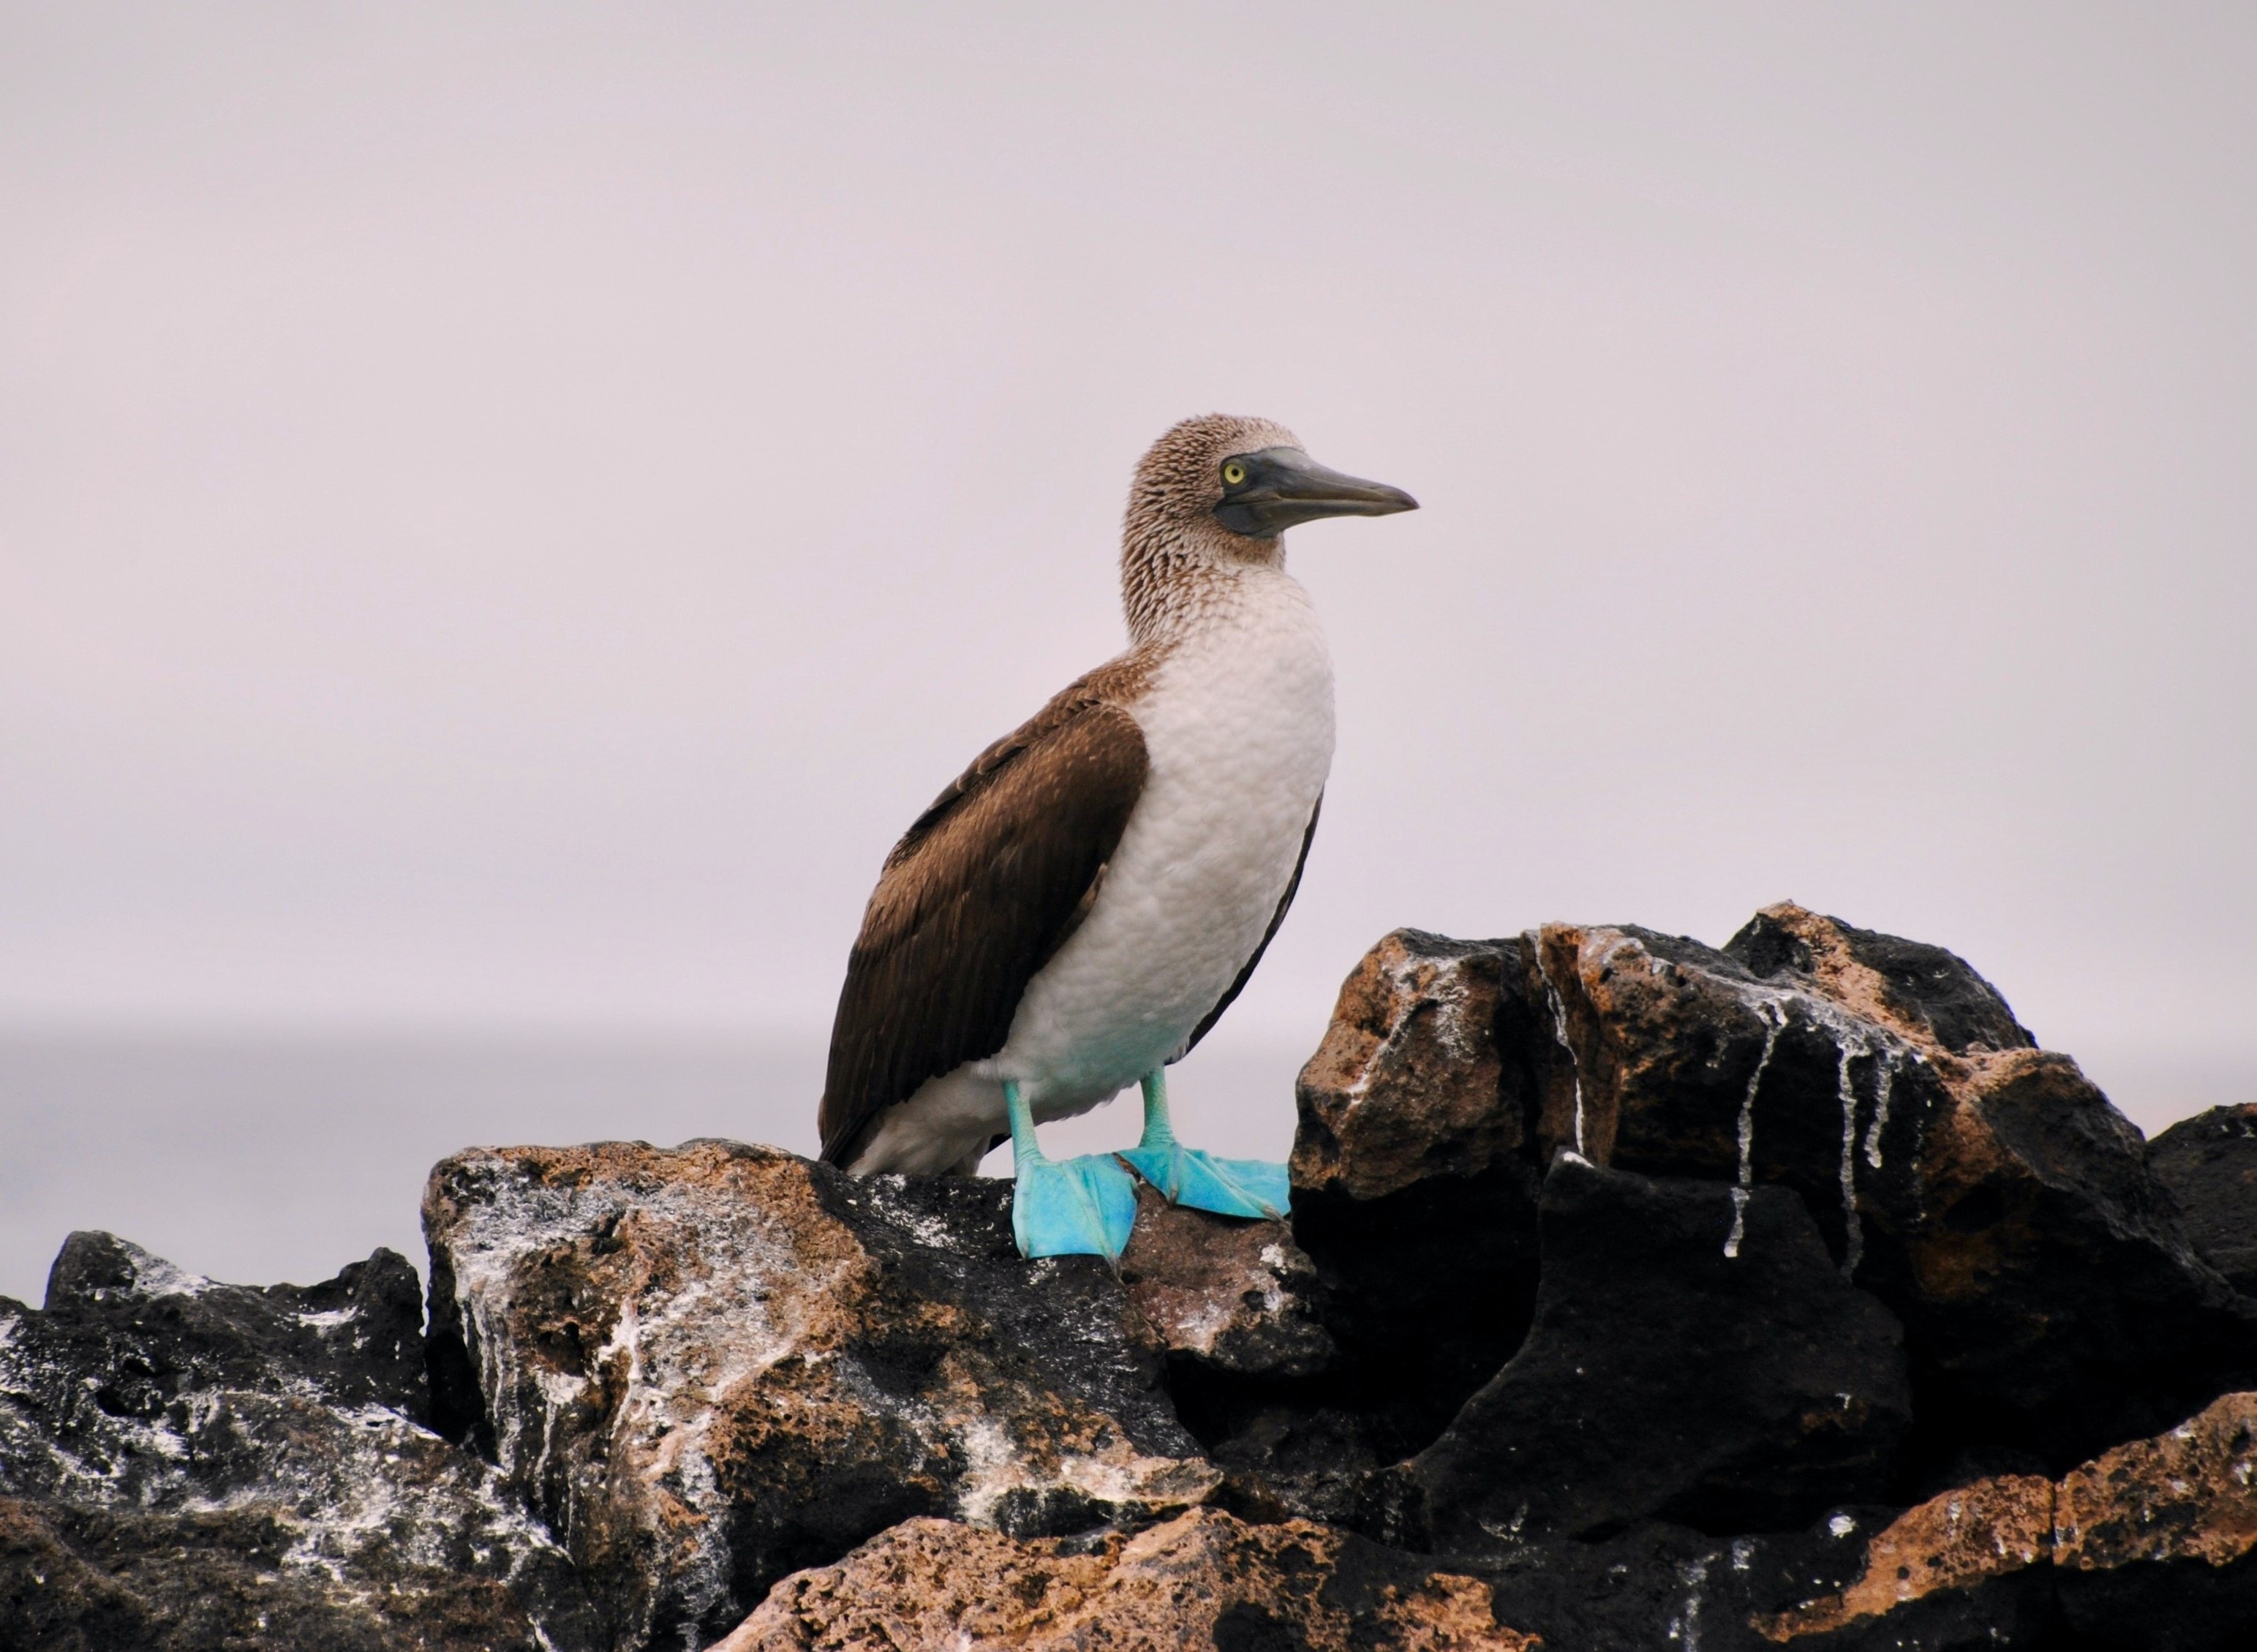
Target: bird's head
{"x":1230,"y":486}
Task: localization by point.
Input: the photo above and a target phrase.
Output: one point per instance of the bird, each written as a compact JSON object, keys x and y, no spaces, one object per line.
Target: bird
{"x":1076,"y":910}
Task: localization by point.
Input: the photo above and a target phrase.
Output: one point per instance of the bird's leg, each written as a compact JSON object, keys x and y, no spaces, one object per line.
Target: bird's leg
{"x":1080,"y":1207}
{"x":1186,"y":1175}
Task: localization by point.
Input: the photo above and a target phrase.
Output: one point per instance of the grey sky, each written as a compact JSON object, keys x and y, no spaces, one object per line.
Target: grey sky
{"x":505,"y":514}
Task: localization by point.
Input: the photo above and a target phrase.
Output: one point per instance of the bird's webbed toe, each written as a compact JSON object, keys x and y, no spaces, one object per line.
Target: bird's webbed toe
{"x":1252,"y":1187}
{"x":1072,"y":1207}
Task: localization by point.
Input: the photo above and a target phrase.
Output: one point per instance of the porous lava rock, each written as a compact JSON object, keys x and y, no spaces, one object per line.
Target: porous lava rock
{"x":189,"y":1464}
{"x":2151,"y":1545}
{"x":1980,"y":1187}
{"x":2156,"y":1541}
{"x":1696,"y":1358}
{"x":1416,"y":1168}
{"x":1966,"y":1566}
{"x":708,"y":1366}
{"x":2209,"y":1164}
{"x":1202,"y":1579}
{"x":1229,"y":1296}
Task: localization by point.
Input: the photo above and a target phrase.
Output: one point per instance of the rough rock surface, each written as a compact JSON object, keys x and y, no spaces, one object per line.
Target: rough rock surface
{"x":2152,"y":1544}
{"x":709,"y":1366}
{"x":1230,"y":1296}
{"x":2157,"y":1539}
{"x":2209,"y":1164}
{"x":1203,"y":1579}
{"x":188,"y":1464}
{"x":1638,"y":1294}
{"x":1695,"y":1358}
{"x":1415,"y":1176}
{"x":1979,"y":1187}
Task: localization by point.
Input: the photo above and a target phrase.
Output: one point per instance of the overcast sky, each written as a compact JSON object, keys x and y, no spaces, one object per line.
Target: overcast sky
{"x":507,"y":513}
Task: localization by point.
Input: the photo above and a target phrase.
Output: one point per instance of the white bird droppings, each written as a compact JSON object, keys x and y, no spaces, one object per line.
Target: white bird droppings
{"x":1854,"y":1232}
{"x":1772,"y":1020}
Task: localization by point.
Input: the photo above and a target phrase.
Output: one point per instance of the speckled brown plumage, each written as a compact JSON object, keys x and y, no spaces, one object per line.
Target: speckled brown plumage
{"x":1170,"y":543}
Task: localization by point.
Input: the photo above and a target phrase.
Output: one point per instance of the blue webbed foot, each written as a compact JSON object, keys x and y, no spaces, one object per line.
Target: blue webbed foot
{"x":1228,"y":1187}
{"x":1072,"y":1207}
{"x":1252,"y":1187}
{"x":1080,"y":1207}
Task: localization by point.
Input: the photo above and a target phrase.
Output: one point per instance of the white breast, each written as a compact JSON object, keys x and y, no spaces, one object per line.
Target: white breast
{"x":1238,"y":727}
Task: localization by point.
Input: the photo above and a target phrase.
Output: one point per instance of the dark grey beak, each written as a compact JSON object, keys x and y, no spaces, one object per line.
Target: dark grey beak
{"x":1279,"y":487}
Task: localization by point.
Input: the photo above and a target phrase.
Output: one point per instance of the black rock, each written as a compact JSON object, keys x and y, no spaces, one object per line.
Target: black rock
{"x":1415,"y":1178}
{"x":1924,"y":985}
{"x":2185,"y":1605}
{"x":188,"y":1464}
{"x":1657,"y":1585}
{"x":1984,"y":1190}
{"x":2209,"y":1164}
{"x":358,"y":1337}
{"x":1690,"y":1361}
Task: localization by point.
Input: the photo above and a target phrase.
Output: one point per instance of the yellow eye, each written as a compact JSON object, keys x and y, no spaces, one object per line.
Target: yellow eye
{"x":1233,"y":473}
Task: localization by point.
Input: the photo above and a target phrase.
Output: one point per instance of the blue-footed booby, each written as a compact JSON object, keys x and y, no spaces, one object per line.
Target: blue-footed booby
{"x":1076,"y":911}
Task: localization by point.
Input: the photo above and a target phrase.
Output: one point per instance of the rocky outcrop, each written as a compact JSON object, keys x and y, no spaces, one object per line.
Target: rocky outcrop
{"x":188,"y":1465}
{"x":704,"y":1368}
{"x":1980,"y":1187}
{"x":1637,"y":1294}
{"x":2208,"y":1164}
{"x":1416,"y":1170}
{"x":1200,"y":1579}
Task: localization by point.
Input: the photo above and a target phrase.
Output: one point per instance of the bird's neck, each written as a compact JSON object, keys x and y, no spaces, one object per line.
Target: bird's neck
{"x":1171,"y":581}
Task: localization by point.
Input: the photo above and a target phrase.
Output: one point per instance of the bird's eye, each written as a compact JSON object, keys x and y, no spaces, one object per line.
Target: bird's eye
{"x":1233,"y":473}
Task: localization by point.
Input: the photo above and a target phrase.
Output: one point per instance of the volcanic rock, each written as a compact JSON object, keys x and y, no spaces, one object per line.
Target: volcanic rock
{"x":1637,"y":1294}
{"x":1229,"y":1296}
{"x":1411,"y":1080}
{"x":1696,"y":1358}
{"x":2156,"y":1541}
{"x":1970,"y":1565}
{"x":190,"y":1465}
{"x":1415,"y":1174}
{"x":709,"y":1366}
{"x":1202,"y":1579}
{"x":2209,"y":1164}
{"x":1981,"y":1188}
{"x":2152,"y":1545}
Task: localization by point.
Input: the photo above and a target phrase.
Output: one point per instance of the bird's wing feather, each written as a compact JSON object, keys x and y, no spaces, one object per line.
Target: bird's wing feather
{"x":978,"y":896}
{"x":1285,"y":904}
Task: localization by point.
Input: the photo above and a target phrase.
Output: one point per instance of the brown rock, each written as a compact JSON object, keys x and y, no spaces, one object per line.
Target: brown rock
{"x":1201,"y":1579}
{"x":709,"y":1366}
{"x":2156,"y":1541}
{"x":1231,"y":1294}
{"x":1960,"y":1541}
{"x":1408,"y":1084}
{"x":2153,"y":1544}
{"x":2190,"y":1494}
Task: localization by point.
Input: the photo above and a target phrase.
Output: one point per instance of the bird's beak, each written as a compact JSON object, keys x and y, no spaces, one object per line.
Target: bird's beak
{"x":1285,"y":486}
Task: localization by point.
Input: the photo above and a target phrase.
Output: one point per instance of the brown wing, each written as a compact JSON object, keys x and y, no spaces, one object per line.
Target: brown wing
{"x":975,"y":898}
{"x":1285,"y":904}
